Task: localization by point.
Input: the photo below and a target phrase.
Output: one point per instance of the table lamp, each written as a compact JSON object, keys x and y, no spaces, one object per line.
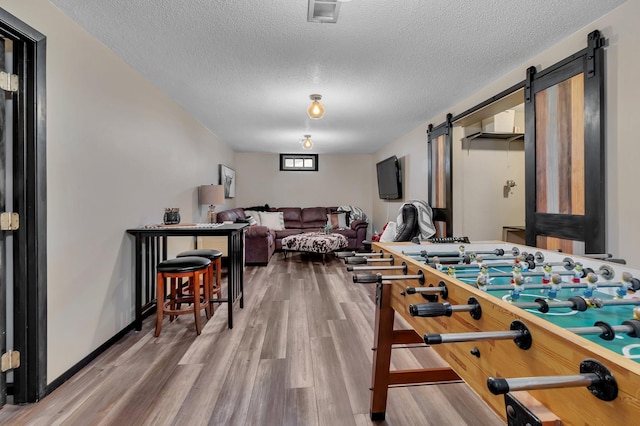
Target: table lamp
{"x":211,"y":195}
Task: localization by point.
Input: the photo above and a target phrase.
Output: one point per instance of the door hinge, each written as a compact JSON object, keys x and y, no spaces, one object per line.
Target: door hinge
{"x":9,"y":221}
{"x":10,"y":360}
{"x":8,"y":82}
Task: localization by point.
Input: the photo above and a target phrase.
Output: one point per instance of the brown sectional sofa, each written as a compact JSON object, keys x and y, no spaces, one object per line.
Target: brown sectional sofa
{"x":261,"y":242}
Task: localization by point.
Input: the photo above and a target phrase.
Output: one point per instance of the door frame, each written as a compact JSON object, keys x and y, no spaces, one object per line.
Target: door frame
{"x":30,"y":201}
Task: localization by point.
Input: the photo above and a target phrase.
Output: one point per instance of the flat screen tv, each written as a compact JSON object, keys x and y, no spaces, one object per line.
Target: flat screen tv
{"x":389,"y":179}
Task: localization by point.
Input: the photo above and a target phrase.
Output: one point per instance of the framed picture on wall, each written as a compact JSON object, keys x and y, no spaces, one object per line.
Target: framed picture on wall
{"x":228,"y":179}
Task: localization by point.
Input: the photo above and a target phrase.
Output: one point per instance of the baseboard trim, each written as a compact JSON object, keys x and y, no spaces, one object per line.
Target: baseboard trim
{"x":86,"y":360}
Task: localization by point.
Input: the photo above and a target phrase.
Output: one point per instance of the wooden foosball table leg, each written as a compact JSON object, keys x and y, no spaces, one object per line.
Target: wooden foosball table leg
{"x":383,"y":340}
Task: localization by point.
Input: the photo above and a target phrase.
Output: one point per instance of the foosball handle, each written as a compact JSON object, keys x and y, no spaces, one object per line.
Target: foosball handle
{"x":498,"y":385}
{"x":367,"y":278}
{"x":431,"y":310}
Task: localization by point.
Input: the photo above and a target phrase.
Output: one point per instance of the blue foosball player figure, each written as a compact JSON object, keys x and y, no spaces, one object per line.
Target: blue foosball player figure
{"x":625,"y":285}
{"x":556,"y":286}
{"x":591,"y":280}
{"x":518,"y":287}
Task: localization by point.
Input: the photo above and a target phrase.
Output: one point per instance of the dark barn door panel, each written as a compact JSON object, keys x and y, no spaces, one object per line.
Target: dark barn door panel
{"x":564,"y":153}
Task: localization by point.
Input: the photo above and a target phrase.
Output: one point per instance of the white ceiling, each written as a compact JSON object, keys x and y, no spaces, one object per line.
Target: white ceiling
{"x":246,"y":68}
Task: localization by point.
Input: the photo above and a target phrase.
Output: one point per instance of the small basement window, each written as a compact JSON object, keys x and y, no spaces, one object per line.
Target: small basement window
{"x":297,"y":162}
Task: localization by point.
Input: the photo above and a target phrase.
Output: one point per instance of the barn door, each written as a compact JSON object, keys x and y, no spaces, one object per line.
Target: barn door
{"x":564,"y":153}
{"x":439,"y":172}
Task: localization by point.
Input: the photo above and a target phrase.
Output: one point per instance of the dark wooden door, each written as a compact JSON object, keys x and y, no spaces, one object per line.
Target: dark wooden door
{"x":564,"y":153}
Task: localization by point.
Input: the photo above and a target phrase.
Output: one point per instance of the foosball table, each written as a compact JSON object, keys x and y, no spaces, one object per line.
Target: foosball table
{"x":542,"y":337}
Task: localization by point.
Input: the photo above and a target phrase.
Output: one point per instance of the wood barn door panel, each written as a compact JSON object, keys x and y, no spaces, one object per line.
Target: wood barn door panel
{"x":560,"y":148}
{"x":564,"y":245}
{"x":438,"y":184}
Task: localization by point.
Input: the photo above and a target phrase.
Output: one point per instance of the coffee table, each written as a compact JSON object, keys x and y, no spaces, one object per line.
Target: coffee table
{"x":314,"y":242}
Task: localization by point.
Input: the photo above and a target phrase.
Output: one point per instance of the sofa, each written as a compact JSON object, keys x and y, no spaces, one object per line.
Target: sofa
{"x":262,"y":241}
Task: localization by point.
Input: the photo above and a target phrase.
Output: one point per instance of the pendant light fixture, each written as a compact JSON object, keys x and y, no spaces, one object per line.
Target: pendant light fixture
{"x":315,"y":110}
{"x":307,"y":143}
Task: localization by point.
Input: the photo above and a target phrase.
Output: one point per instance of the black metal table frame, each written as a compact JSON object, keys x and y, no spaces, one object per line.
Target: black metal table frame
{"x":151,"y":249}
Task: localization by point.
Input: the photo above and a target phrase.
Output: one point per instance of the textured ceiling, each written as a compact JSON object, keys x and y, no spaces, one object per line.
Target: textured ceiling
{"x":246,"y":68}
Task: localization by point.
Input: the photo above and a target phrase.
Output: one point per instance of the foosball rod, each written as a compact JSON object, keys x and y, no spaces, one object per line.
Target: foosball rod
{"x":443,"y":259}
{"x":425,"y":253}
{"x":500,"y":287}
{"x":594,"y":375}
{"x":607,"y":331}
{"x":378,"y":278}
{"x":358,"y":260}
{"x":343,"y":254}
{"x":403,"y":268}
{"x":519,"y":333}
{"x":509,"y":274}
{"x":576,"y":303}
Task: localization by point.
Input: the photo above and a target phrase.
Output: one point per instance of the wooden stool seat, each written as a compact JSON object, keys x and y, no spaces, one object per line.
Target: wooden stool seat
{"x":192,"y":268}
{"x":215,"y":256}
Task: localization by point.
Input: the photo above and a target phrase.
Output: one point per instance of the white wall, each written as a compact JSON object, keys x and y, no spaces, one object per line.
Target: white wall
{"x":484,"y":167}
{"x":118,"y":152}
{"x":623,"y":150}
{"x":344,"y":179}
{"x":411,"y":150}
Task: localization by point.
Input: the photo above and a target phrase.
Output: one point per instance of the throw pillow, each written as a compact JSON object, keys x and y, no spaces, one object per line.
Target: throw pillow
{"x":348,"y":217}
{"x":254,"y":214}
{"x":272,"y":220}
{"x":337,"y":220}
{"x":389,"y":233}
{"x":252,"y":221}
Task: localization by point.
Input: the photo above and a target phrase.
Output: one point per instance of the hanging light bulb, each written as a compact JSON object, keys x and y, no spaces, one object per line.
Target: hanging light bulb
{"x":307,"y":143}
{"x":315,"y":110}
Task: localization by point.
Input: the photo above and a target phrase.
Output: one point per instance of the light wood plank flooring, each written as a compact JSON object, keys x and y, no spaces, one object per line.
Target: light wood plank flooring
{"x":299,"y":354}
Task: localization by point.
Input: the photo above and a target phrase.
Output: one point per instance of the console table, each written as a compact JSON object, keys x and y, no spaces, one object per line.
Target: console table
{"x":151,"y":249}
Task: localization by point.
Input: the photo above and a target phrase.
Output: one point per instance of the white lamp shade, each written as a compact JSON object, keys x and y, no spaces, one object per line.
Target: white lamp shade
{"x":211,"y":194}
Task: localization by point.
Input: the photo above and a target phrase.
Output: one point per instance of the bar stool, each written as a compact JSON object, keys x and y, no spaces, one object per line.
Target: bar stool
{"x":193,"y":268}
{"x":215,"y":256}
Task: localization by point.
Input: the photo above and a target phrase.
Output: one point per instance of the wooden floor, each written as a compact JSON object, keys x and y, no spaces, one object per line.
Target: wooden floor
{"x":299,"y":354}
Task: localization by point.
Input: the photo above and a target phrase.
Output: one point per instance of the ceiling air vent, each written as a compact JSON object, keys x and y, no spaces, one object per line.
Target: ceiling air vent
{"x":323,"y":11}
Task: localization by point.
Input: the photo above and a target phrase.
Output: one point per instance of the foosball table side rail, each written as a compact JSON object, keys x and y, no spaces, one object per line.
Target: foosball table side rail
{"x":552,"y":350}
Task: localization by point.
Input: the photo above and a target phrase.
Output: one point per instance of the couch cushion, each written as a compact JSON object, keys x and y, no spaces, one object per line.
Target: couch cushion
{"x":254,"y":214}
{"x":273,"y":220}
{"x":292,"y":217}
{"x":314,"y":217}
{"x":230,"y":215}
